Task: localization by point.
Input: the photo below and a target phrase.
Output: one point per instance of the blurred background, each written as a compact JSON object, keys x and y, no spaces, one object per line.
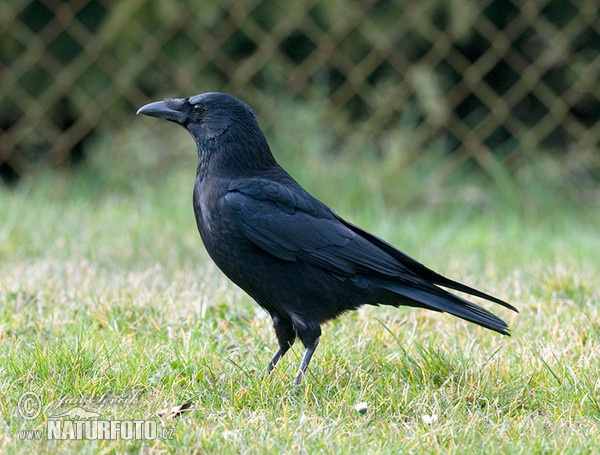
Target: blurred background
{"x":481,"y":85}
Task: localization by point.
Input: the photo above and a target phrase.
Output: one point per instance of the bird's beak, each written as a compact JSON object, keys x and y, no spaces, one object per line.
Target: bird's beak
{"x":161,"y":110}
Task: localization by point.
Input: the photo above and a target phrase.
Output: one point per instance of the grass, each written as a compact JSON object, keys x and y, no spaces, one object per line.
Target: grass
{"x":108,"y":301}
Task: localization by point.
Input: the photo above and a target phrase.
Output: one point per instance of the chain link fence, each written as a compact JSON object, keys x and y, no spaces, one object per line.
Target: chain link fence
{"x":499,"y":80}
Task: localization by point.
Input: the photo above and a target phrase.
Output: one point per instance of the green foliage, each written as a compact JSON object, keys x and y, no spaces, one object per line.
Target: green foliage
{"x":458,"y":75}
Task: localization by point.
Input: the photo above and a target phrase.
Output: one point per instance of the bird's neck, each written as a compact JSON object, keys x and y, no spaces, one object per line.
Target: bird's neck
{"x":234,"y":158}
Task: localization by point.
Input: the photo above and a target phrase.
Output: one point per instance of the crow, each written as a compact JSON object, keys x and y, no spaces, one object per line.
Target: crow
{"x":292,"y":254}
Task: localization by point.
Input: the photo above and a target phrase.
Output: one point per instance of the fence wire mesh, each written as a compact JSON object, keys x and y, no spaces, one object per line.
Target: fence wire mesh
{"x":504,"y":80}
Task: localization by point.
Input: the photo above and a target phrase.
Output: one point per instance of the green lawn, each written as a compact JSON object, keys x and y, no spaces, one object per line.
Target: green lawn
{"x":109,"y":302}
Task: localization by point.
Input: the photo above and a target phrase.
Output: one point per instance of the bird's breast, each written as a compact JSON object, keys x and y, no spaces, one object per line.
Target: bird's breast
{"x":218,"y":225}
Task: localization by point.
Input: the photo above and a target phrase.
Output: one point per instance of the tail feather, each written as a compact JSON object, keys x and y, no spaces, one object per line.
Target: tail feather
{"x":448,"y":283}
{"x":423,"y":272}
{"x":434,"y":298}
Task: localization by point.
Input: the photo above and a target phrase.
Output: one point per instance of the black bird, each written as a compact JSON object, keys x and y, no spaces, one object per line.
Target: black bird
{"x":291,"y":253}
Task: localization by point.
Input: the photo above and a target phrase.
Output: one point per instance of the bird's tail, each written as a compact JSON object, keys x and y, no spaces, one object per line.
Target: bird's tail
{"x":425,"y":273}
{"x":434,"y":298}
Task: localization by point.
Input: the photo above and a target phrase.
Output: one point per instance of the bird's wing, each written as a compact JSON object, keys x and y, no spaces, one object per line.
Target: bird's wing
{"x":287,"y":222}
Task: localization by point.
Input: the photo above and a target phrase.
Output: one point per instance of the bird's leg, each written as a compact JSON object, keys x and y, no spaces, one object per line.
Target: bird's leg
{"x":310,"y":350}
{"x":286,"y":335}
{"x":309,"y":334}
{"x":278,"y":355}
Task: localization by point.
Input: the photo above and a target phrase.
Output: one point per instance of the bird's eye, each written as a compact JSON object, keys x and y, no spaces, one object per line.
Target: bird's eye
{"x":198,"y":109}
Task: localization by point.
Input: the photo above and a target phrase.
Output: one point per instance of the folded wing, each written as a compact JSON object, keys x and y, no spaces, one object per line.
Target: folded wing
{"x":285,"y":221}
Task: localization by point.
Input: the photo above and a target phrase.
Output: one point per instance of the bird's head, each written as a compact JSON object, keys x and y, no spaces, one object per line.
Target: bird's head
{"x":224,"y":128}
